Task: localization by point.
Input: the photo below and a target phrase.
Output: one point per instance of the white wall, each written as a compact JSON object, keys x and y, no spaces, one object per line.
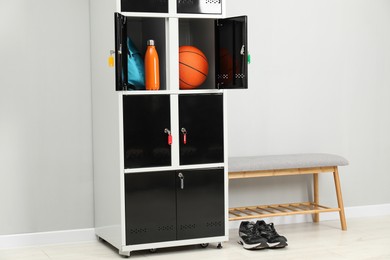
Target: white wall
{"x":319,"y":82}
{"x":45,"y":116}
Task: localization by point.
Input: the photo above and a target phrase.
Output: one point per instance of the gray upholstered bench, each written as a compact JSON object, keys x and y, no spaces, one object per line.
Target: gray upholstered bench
{"x":282,"y":165}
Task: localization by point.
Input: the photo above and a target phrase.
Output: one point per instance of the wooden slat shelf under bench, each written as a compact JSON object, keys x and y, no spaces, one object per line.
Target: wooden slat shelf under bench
{"x":264,"y":211}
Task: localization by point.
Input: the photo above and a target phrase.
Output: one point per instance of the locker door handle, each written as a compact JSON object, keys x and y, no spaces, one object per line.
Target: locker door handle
{"x":168,"y":132}
{"x":181,"y":177}
{"x":184,"y":132}
{"x":242,"y":51}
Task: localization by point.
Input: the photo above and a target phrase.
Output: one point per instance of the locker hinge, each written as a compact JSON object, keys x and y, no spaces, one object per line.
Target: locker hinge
{"x":123,"y":19}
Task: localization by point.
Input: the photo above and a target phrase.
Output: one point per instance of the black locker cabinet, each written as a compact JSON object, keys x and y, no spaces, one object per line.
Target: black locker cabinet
{"x":160,"y":174}
{"x":174,"y":205}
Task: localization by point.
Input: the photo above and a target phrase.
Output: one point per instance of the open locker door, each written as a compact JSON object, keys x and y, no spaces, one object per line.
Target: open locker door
{"x":120,"y":52}
{"x":231,"y":50}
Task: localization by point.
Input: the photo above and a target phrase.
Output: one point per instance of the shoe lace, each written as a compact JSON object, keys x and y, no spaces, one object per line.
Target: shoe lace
{"x":254,"y":230}
{"x":271,"y":229}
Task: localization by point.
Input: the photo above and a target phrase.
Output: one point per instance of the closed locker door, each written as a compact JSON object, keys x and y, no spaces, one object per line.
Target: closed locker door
{"x":200,"y":203}
{"x":145,"y":118}
{"x":201,"y":128}
{"x":150,"y":202}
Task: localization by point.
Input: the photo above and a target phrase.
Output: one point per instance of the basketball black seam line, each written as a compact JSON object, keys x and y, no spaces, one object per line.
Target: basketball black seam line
{"x":187,"y":83}
{"x":204,"y":57}
{"x":193,"y":68}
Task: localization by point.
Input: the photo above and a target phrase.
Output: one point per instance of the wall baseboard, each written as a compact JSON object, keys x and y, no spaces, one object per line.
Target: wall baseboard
{"x":47,"y":238}
{"x":84,"y":235}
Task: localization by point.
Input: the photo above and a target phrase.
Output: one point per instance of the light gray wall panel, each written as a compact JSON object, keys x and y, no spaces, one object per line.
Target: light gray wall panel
{"x":45,"y":116}
{"x":319,"y":81}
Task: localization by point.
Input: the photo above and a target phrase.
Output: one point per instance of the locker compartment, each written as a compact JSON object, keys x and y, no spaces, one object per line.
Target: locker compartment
{"x":200,"y":33}
{"x":199,"y":6}
{"x":147,"y":6}
{"x":224,"y":43}
{"x":139,"y":30}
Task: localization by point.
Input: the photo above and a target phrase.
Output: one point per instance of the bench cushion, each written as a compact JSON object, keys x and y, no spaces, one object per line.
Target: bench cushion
{"x":287,"y":161}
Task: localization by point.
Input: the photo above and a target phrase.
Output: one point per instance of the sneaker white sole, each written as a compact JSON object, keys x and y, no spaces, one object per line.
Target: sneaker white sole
{"x":277,"y":245}
{"x":252,"y":246}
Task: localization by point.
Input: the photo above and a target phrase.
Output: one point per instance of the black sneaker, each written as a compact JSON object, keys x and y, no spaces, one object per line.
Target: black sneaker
{"x":250,"y":237}
{"x":274,"y":240}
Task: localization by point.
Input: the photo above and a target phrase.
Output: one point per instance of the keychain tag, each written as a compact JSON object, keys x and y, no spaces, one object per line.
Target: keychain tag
{"x":111,"y":59}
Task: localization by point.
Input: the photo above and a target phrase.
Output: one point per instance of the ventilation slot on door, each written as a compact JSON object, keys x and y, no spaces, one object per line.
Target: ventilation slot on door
{"x":138,"y":230}
{"x":223,"y":76}
{"x":165,"y":228}
{"x":214,"y":224}
{"x":239,"y":76}
{"x":188,"y":226}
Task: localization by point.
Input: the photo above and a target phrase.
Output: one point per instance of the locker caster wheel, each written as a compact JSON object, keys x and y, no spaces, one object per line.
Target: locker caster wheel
{"x":153,"y":250}
{"x":219,"y":246}
{"x":204,"y":245}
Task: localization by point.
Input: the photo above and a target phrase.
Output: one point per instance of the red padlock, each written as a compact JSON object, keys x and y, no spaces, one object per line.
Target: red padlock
{"x":184,"y":132}
{"x":167,"y":131}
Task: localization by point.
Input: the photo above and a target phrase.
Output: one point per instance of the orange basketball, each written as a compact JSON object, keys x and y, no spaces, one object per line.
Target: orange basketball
{"x":193,"y":67}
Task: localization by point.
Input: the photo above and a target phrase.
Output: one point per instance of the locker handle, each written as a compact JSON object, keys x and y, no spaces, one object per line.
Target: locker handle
{"x":181,"y":177}
{"x":242,"y":51}
{"x":167,"y":131}
{"x":184,"y":132}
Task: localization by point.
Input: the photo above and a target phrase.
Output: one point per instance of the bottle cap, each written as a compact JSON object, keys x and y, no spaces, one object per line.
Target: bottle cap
{"x":150,"y":42}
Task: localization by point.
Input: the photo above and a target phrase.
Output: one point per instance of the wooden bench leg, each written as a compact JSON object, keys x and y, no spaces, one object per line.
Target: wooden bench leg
{"x":316,"y":216}
{"x":339,"y":198}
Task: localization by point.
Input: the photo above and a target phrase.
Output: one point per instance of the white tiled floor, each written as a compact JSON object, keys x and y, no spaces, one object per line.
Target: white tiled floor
{"x":366,"y":238}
